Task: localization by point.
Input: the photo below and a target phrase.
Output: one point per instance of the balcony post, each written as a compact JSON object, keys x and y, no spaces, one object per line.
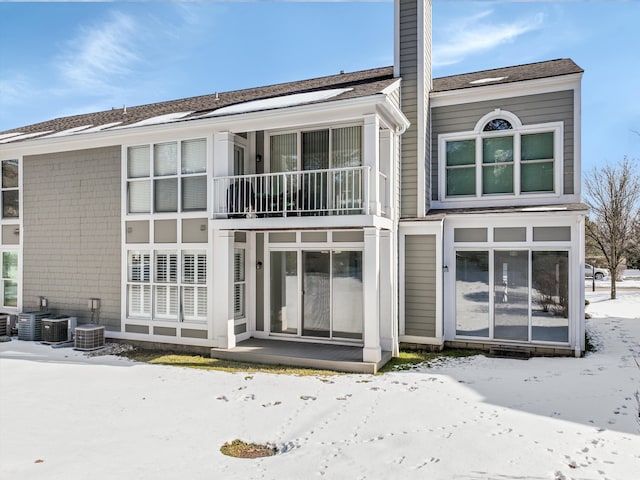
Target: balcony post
{"x":371,"y":150}
{"x":372,"y":351}
{"x":222,"y":167}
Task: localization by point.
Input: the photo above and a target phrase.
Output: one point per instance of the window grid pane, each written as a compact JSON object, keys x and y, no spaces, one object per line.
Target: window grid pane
{"x":536,"y":177}
{"x":194,"y":156}
{"x":139,"y":196}
{"x":10,"y":204}
{"x":497,"y":179}
{"x":10,"y":174}
{"x":165,"y":159}
{"x":461,"y":181}
{"x":461,"y":152}
{"x":538,"y":146}
{"x":10,"y":265}
{"x":497,"y":150}
{"x":194,"y":193}
{"x":138,"y":161}
{"x":166,"y":195}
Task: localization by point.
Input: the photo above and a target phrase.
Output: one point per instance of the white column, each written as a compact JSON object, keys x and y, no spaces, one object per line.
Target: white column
{"x":388,"y":332}
{"x":372,"y":159}
{"x":371,"y":265}
{"x":222,"y":154}
{"x":222,"y":304}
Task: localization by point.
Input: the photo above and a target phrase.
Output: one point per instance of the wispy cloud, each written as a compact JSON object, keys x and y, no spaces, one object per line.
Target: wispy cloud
{"x":14,"y":90}
{"x":479,"y":33}
{"x":101,"y":55}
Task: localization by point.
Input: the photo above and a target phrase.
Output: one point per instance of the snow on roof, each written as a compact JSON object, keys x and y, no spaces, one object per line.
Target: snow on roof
{"x":278,"y":102}
{"x":8,"y":135}
{"x":166,"y":118}
{"x":99,"y":128}
{"x":24,"y":136}
{"x":68,"y":131}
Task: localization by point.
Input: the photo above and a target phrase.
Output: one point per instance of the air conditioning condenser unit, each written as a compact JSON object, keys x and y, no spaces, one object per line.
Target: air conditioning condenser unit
{"x":58,"y":329}
{"x":89,"y":337}
{"x":30,"y":325}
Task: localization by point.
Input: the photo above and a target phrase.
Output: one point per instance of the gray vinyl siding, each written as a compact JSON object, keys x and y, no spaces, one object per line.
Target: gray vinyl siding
{"x":72,"y":242}
{"x":531,"y":109}
{"x":420,"y":285}
{"x":394,"y":96}
{"x":409,"y":100}
{"x":414,"y":68}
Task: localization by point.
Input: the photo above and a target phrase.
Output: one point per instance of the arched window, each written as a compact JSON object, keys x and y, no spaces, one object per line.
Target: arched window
{"x":501,"y":156}
{"x":497,"y":124}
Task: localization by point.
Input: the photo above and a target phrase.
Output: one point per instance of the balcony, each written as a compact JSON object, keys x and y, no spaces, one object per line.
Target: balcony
{"x":336,"y":191}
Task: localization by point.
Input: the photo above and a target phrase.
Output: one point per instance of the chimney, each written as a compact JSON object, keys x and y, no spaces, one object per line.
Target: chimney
{"x":412,"y":62}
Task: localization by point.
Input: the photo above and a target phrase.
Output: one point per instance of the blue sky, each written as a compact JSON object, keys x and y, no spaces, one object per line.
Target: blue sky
{"x":59,"y":59}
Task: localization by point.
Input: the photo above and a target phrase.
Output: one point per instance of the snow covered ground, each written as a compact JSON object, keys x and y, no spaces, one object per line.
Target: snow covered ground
{"x":65,"y":415}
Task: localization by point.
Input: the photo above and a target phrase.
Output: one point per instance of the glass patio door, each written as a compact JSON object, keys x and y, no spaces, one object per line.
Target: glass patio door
{"x":511,"y":295}
{"x":316,"y":294}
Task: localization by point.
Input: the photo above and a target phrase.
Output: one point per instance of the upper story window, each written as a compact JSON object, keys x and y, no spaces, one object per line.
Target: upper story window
{"x":502,"y":157}
{"x":10,"y":189}
{"x":319,"y":149}
{"x":167,"y":177}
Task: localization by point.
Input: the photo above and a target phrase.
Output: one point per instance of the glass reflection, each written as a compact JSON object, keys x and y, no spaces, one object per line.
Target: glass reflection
{"x":549,"y":302}
{"x":472,"y":294}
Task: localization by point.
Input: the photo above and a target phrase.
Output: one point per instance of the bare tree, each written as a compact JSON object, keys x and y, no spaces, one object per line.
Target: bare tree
{"x":613,"y":194}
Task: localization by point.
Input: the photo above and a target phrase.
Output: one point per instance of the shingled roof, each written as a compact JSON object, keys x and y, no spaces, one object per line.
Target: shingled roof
{"x":497,"y":76}
{"x":344,"y":85}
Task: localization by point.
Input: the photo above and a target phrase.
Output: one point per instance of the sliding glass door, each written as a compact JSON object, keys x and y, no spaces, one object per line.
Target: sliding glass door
{"x":516,"y":295}
{"x":511,"y":295}
{"x":327,"y":285}
{"x":316,"y":294}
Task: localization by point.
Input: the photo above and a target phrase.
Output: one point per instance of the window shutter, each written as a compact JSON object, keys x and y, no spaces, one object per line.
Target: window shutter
{"x":166,"y":299}
{"x":166,"y":268}
{"x":239,"y":285}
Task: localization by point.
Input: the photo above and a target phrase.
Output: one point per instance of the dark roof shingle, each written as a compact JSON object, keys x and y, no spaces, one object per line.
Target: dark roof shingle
{"x":362,"y":83}
{"x":497,"y":76}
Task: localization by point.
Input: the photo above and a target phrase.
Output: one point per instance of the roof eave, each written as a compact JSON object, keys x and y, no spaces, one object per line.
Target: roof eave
{"x":234,"y":122}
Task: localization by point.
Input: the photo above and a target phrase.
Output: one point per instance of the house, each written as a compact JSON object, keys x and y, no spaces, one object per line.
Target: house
{"x":318,"y":222}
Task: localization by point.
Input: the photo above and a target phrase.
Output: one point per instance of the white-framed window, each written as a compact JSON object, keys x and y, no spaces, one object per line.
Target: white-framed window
{"x":167,"y":177}
{"x":139,"y":284}
{"x":10,"y":189}
{"x":167,"y":285}
{"x":501,"y":157}
{"x":9,"y":279}
{"x":320,"y":149}
{"x":194,"y":285}
{"x":239,"y":283}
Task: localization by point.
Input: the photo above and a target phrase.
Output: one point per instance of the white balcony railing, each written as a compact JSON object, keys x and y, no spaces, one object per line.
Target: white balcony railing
{"x":337,"y":191}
